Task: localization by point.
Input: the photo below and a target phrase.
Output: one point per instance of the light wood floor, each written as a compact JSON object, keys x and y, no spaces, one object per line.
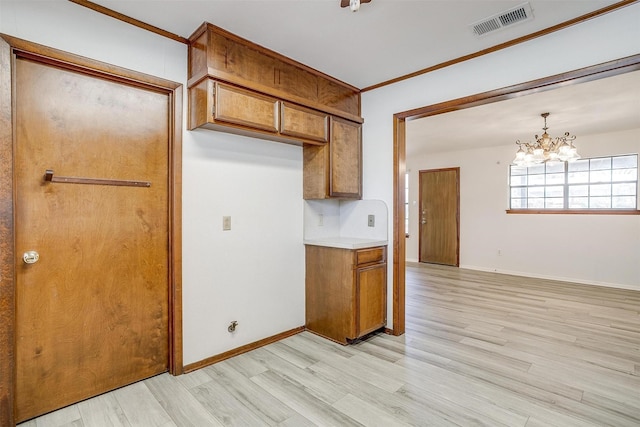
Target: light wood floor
{"x":480,"y":349}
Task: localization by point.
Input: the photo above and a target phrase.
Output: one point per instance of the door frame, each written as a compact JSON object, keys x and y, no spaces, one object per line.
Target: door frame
{"x":606,"y":69}
{"x":10,"y":49}
{"x":457,"y":171}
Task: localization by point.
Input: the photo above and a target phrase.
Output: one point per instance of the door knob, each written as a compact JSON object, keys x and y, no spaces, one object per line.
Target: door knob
{"x":30,"y":257}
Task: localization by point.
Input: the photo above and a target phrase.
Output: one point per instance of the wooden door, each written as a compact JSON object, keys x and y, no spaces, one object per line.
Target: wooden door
{"x":92,"y":312}
{"x":440,"y":216}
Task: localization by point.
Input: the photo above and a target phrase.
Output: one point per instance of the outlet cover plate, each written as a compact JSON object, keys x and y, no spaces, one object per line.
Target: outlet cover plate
{"x":226,"y":223}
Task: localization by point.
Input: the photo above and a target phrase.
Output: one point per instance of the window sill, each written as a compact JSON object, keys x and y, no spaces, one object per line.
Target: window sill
{"x":575,"y":211}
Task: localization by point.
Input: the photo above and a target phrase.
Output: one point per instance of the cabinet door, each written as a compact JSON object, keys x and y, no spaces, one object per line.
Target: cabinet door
{"x":246,"y":108}
{"x":345,"y":157}
{"x":302,"y":122}
{"x":371,"y":298}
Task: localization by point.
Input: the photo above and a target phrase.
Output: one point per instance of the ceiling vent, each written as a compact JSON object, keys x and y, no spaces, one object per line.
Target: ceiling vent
{"x":521,"y":13}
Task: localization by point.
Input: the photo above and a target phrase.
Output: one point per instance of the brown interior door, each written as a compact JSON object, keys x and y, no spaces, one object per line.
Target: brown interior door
{"x":92,"y":312}
{"x":440,"y":216}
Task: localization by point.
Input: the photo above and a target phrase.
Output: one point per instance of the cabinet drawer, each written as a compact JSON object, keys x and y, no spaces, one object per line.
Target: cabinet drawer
{"x":302,"y":122}
{"x":242,"y":107}
{"x":368,"y":256}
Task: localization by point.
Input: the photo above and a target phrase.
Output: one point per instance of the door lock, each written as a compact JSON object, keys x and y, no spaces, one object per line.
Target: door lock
{"x":30,"y":257}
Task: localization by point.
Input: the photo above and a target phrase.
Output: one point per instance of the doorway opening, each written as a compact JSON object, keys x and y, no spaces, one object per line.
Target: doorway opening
{"x":607,"y":69}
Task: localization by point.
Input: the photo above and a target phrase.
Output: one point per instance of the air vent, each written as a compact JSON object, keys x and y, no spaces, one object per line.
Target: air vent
{"x":499,"y":21}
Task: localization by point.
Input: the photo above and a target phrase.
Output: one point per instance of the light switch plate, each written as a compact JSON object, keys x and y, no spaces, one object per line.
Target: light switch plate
{"x":371,"y":221}
{"x":226,"y":223}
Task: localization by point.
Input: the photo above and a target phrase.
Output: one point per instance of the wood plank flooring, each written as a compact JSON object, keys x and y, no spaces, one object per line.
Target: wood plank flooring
{"x":480,"y":349}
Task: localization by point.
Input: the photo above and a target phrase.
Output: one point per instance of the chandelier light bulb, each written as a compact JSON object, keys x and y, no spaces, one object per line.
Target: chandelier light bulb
{"x":519,"y":160}
{"x":538,"y":154}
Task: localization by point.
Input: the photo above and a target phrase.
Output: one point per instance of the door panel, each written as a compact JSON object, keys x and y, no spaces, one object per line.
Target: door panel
{"x":246,"y":108}
{"x":92,"y":313}
{"x":345,"y":156}
{"x":371,"y":292}
{"x":440,"y":216}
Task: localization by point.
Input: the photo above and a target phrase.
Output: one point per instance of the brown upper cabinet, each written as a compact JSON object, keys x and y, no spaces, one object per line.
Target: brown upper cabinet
{"x":242,"y":107}
{"x":240,"y":87}
{"x":334,"y":170}
{"x":216,"y":54}
{"x":297,"y":121}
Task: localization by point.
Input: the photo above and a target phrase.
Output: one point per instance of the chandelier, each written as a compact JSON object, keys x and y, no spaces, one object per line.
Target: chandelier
{"x":546,"y":149}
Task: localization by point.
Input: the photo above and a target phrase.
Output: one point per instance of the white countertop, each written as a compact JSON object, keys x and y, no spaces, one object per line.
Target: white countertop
{"x":345,"y":242}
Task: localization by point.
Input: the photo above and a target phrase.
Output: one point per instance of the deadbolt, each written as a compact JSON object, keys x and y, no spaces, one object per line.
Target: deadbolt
{"x":30,"y":257}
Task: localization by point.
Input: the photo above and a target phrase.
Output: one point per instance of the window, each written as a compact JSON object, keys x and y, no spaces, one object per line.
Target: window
{"x":406,"y":204}
{"x":596,"y":183}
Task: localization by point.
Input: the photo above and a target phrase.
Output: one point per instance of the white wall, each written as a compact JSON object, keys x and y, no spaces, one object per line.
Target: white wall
{"x":254,"y":273}
{"x":325,"y":219}
{"x":594,"y":249}
{"x":605,"y":38}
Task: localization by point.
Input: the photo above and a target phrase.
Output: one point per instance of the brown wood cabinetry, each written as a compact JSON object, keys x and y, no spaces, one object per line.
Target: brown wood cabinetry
{"x":242,"y":107}
{"x":346,"y":291}
{"x":216,"y":53}
{"x":220,"y":106}
{"x":297,"y":121}
{"x":239,"y":87}
{"x":335,"y":170}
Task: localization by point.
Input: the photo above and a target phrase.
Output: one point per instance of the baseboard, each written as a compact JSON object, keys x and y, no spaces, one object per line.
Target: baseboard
{"x":240,"y":350}
{"x":556,"y":278}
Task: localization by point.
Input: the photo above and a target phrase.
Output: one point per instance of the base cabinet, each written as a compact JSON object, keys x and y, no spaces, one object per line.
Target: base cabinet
{"x":346,"y":291}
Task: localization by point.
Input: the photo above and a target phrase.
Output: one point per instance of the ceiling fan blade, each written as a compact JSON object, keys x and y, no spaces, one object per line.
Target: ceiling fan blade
{"x":345,"y":3}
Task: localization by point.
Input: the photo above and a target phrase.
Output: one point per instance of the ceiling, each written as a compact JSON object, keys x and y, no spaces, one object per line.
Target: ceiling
{"x":387,"y":39}
{"x":384,"y":40}
{"x":599,"y":106}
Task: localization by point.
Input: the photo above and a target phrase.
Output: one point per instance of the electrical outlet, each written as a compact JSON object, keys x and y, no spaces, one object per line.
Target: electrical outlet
{"x":371,"y":221}
{"x":499,"y":252}
{"x":226,"y":223}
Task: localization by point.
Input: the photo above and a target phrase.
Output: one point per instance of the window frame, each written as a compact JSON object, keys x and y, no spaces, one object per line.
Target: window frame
{"x":566,"y":185}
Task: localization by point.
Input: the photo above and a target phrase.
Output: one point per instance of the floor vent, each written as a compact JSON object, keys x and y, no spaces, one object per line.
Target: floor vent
{"x":521,"y":13}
